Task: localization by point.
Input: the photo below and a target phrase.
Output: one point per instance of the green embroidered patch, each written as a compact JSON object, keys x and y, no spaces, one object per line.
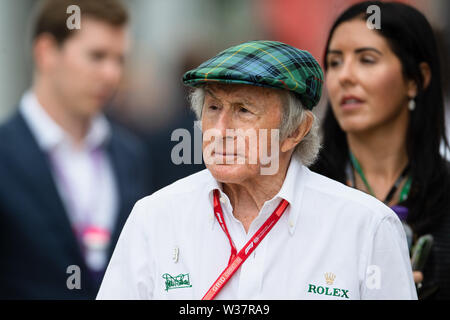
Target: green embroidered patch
{"x":180,"y":281}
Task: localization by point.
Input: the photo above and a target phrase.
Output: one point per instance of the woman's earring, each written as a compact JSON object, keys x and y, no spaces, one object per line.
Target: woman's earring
{"x":412,"y":104}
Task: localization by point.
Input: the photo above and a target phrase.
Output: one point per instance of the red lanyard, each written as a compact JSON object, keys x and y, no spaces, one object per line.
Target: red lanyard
{"x":236,"y":260}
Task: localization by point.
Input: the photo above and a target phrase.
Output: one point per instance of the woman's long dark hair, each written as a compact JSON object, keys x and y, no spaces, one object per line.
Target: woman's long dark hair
{"x":411,"y":38}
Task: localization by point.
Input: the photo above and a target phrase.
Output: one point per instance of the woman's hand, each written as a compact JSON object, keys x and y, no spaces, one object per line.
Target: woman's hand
{"x":418,"y":276}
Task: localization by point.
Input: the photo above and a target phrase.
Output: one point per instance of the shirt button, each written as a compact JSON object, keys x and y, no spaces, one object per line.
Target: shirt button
{"x":291,"y":224}
{"x":222,"y":199}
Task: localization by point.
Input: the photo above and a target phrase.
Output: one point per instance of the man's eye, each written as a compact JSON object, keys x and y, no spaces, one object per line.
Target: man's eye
{"x":213,"y":108}
{"x":121,"y":60}
{"x":243,"y":110}
{"x":97,"y":55}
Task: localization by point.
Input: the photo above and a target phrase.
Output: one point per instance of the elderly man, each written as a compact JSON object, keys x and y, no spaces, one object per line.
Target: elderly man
{"x":235,"y":231}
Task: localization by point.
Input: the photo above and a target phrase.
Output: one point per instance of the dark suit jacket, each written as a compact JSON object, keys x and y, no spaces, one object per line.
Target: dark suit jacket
{"x":36,"y":240}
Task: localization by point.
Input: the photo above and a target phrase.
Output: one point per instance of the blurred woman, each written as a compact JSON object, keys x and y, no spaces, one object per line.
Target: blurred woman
{"x":385,"y":123}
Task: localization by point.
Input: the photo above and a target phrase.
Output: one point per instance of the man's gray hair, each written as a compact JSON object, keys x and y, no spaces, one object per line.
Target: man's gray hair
{"x":293,"y":115}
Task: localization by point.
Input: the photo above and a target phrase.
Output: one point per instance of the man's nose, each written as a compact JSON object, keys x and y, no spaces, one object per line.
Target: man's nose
{"x":111,"y":72}
{"x":225,"y":122}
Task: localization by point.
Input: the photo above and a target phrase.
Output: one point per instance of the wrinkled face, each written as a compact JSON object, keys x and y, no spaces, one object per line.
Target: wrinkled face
{"x":87,"y":68}
{"x":238,"y":124}
{"x":364,"y":79}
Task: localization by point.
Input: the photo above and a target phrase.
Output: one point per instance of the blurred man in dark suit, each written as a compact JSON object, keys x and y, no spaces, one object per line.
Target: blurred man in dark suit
{"x":69,"y":177}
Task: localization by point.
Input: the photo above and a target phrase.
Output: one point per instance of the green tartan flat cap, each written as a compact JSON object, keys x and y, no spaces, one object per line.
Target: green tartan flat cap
{"x":263,"y":63}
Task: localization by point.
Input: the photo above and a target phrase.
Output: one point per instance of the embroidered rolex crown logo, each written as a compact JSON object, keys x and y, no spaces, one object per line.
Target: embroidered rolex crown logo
{"x":328,"y":291}
{"x":329,"y":278}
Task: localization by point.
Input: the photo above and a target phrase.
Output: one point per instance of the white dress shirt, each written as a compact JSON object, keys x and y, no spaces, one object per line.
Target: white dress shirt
{"x":83,"y":174}
{"x":333,"y":242}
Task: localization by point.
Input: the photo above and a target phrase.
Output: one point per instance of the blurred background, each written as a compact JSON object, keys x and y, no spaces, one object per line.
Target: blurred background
{"x":173,"y":36}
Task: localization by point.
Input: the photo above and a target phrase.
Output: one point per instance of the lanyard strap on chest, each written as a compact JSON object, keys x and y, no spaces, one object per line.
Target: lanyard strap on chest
{"x":236,"y":260}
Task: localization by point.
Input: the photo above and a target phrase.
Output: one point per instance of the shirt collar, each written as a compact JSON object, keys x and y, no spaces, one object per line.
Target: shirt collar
{"x":291,"y":191}
{"x":49,"y":134}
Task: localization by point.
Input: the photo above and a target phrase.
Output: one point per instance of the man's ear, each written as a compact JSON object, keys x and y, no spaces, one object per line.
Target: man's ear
{"x":45,"y":50}
{"x":294,"y":138}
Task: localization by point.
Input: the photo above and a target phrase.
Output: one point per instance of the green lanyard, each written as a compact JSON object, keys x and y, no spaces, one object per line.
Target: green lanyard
{"x":404,"y":192}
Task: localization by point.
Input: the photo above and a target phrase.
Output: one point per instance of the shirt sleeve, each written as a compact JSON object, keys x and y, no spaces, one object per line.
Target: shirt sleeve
{"x":388,"y":273}
{"x":128,"y":275}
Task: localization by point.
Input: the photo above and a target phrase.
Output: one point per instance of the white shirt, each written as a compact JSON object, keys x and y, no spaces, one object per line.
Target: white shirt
{"x":328,"y":229}
{"x":83,"y":174}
